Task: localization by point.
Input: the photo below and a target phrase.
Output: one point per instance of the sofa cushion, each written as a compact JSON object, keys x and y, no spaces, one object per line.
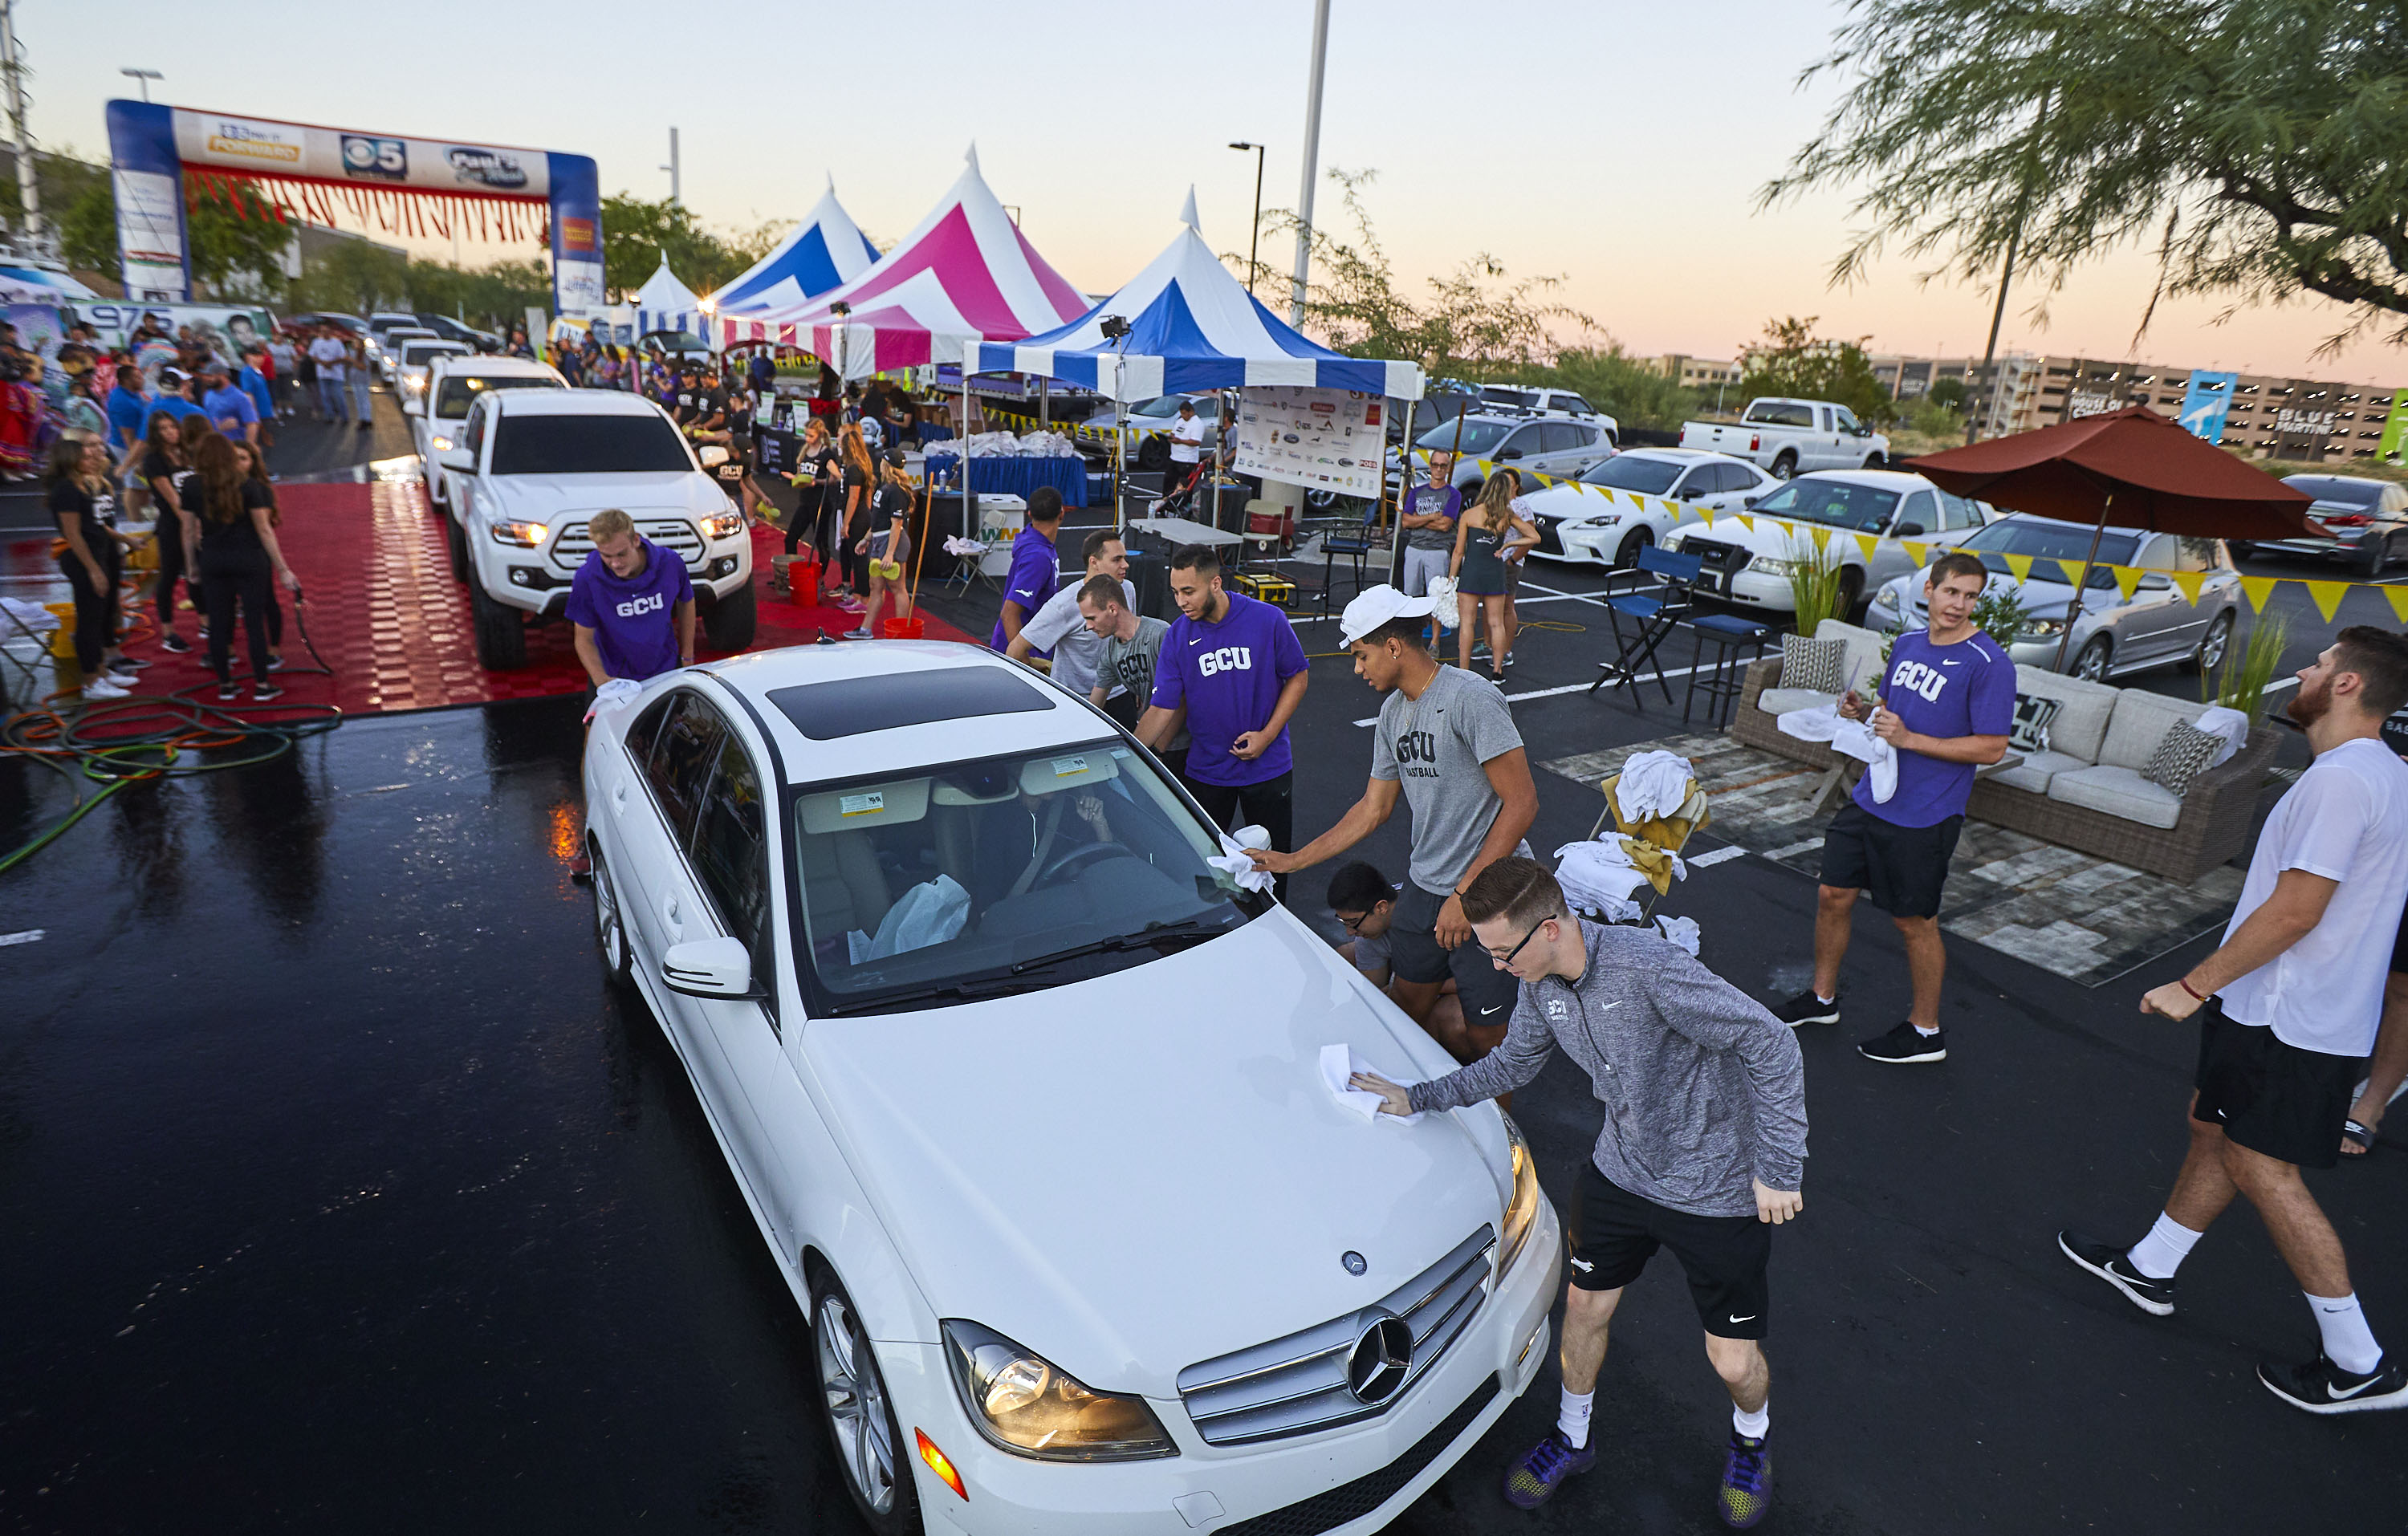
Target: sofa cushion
{"x":2140,"y":721}
{"x":2080,"y":728}
{"x":1860,"y":662}
{"x":2033,"y":713}
{"x":1811,"y":664}
{"x":2182,"y":756}
{"x":2118,"y":792}
{"x":1783,"y":700}
{"x":2035,"y":771}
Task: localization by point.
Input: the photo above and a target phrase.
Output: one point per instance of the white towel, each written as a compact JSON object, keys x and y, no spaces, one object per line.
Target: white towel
{"x":1679,"y":930}
{"x":1338,"y":1064}
{"x":1441,"y":596}
{"x":613,"y":695}
{"x":2230,"y":726}
{"x":1654,"y":783}
{"x":34,"y":616}
{"x":1852,"y":738}
{"x":956,"y":545}
{"x":1597,"y":876}
{"x":1234,"y":863}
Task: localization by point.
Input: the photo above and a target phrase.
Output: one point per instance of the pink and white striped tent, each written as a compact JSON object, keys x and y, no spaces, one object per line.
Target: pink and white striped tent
{"x":965,"y":275}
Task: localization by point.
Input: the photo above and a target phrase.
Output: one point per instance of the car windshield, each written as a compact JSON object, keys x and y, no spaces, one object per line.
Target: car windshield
{"x":1001,"y":874}
{"x":2347,"y":493}
{"x":1993,"y":541}
{"x":615,"y":443}
{"x":418,"y":352}
{"x":459,"y":391}
{"x":1167,"y":406}
{"x":1478,"y":437}
{"x":1648,"y":477}
{"x":1864,"y":509}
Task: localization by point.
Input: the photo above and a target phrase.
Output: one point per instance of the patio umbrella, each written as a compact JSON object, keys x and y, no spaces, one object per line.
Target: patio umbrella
{"x":2151,"y":471}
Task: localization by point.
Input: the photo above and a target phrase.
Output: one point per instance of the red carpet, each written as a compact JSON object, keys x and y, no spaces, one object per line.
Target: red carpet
{"x":384,"y":610}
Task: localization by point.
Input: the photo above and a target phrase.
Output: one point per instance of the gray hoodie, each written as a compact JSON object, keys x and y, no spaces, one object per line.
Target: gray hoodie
{"x":1703,"y":1089}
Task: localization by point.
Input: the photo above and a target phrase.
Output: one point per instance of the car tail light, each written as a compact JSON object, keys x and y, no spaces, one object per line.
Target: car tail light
{"x":2346,"y":520}
{"x":1755,"y":442}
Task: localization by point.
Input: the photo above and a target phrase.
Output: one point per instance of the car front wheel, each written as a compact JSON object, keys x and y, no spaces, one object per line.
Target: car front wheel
{"x":868,"y":1439}
{"x":500,"y":633}
{"x":1627,"y":557}
{"x":2091,"y":666}
{"x":733,"y":621}
{"x":610,"y":925}
{"x":2210,"y":654}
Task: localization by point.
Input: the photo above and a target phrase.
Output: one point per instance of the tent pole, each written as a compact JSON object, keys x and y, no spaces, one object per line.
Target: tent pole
{"x":1120,"y":439}
{"x":961,"y":441}
{"x":2073,"y":609}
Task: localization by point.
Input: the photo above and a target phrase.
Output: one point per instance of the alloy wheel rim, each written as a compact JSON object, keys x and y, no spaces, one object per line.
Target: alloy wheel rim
{"x":2210,"y":654}
{"x":857,"y":1405}
{"x":606,"y":916}
{"x":2091,"y":665}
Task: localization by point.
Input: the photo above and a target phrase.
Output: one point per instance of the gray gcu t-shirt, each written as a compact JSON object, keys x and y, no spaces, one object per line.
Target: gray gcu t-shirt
{"x":1435,"y":745}
{"x":1427,"y":499}
{"x":1129,"y":663}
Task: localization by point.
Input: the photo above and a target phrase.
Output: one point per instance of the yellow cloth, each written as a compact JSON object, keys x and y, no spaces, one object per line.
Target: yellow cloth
{"x":1651,"y":861}
{"x":1672,"y":832}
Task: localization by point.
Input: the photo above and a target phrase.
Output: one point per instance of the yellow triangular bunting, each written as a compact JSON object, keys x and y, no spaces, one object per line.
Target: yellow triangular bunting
{"x":2328,"y":595}
{"x":2188,"y":581}
{"x":1822,"y":540}
{"x":2128,"y":580}
{"x":2399,"y":598}
{"x":1867,"y":543}
{"x":1916,"y":551}
{"x":1746,"y":522}
{"x":2258,"y":589}
{"x":2072,"y":570}
{"x":2020,"y":565}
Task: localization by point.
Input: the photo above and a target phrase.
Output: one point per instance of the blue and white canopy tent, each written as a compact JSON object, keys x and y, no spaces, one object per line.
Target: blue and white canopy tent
{"x":824,"y":253}
{"x":665,"y":304}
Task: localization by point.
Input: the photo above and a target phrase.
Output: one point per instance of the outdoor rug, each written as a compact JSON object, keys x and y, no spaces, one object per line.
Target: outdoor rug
{"x":2068,"y":913}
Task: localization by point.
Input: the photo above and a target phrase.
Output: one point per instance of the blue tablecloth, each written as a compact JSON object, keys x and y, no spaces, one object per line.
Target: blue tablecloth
{"x":1017,"y":476}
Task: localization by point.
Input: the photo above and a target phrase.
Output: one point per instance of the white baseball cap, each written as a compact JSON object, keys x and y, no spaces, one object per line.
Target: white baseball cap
{"x":1375,"y":606}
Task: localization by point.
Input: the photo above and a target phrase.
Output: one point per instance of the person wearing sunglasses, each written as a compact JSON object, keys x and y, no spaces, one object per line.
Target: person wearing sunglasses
{"x":1703,"y":1150}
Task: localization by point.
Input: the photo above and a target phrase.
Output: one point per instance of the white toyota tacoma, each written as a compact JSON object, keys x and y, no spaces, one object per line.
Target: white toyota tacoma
{"x":532,"y":466}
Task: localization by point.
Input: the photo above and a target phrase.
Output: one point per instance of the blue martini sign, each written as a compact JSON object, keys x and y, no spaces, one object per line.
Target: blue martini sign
{"x":2206,"y":402}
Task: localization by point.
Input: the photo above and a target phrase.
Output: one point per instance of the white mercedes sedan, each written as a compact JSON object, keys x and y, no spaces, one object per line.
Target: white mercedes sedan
{"x":1024,"y":1095}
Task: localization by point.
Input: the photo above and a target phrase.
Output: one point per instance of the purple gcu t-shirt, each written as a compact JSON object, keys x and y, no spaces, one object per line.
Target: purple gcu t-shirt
{"x":1035,"y":569}
{"x":1965,"y":689}
{"x":633,"y":622}
{"x":1228,"y":675}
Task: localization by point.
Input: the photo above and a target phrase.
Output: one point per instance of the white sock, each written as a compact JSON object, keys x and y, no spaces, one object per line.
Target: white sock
{"x":2349,"y":1343}
{"x":1572,"y":1418}
{"x":1926,"y":1034}
{"x":2161,"y":1253}
{"x":1752,"y":1425}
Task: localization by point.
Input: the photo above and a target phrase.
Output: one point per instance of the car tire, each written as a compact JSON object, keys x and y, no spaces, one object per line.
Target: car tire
{"x":611,"y":924}
{"x":1627,"y":557}
{"x":2209,"y":653}
{"x":455,"y":544}
{"x":2377,"y":555}
{"x":732,"y":621}
{"x":2091,"y":661}
{"x":1784,"y":464}
{"x":1152,"y":455}
{"x":868,"y":1439}
{"x":500,"y":633}
{"x":1852,"y":591}
{"x":1876,"y":461}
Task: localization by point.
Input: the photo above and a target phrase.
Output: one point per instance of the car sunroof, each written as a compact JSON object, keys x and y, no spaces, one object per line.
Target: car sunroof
{"x":853,"y":706}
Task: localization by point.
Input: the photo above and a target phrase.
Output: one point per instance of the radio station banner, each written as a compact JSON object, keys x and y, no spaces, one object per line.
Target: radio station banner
{"x":265,"y":146}
{"x":2206,"y":402}
{"x":1323,"y":438}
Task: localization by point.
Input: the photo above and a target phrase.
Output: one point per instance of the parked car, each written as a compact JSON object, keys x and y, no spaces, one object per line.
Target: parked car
{"x":1540,"y":401}
{"x":454,"y":330}
{"x":678,"y":348}
{"x":1148,"y":428}
{"x":418,"y":355}
{"x":2113,"y":633}
{"x":437,"y":418}
{"x":1791,"y":437}
{"x":532,"y":466}
{"x":1753,"y":568}
{"x":1557,"y":447}
{"x":385,"y":354}
{"x":2367,"y":518}
{"x":928,"y":936}
{"x":1582,"y":527}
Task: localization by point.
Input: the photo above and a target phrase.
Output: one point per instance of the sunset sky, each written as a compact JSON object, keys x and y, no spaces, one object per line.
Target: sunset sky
{"x":1621,"y":147}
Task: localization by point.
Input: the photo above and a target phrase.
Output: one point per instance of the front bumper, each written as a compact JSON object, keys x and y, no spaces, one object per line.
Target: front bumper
{"x":1355,"y":1478}
{"x":2343,"y":544}
{"x":1756,"y":589}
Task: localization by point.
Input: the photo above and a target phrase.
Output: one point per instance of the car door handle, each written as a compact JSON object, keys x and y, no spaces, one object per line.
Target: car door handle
{"x":619,"y":796}
{"x":673,"y":913}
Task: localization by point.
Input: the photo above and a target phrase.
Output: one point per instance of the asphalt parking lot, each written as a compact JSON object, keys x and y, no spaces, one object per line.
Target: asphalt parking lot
{"x":341,"y":1194}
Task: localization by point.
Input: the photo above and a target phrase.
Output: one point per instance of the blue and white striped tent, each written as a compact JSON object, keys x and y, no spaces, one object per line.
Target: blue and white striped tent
{"x":826,"y":251}
{"x":1192,"y":326}
{"x":665,"y":304}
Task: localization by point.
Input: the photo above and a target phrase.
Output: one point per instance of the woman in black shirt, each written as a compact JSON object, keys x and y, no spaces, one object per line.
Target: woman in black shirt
{"x":232,"y":543}
{"x":159,"y":458}
{"x":85,"y":508}
{"x":885,"y":544}
{"x":815,"y":466}
{"x":254,"y":473}
{"x":852,"y":516}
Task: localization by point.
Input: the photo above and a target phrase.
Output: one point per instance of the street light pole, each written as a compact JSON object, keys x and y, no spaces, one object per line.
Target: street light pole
{"x":1254,"y":241}
{"x":672,"y":166}
{"x":1312,"y":162}
{"x":144,"y":78}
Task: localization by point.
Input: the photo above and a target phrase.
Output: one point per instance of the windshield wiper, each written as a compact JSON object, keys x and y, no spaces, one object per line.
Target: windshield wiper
{"x":1145,"y":937}
{"x":964,"y":990}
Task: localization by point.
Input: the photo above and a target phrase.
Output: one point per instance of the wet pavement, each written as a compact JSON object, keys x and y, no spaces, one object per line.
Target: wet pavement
{"x":340,"y":1193}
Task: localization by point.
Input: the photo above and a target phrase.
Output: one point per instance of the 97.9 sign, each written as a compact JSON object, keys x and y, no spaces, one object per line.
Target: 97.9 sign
{"x":379,"y":159}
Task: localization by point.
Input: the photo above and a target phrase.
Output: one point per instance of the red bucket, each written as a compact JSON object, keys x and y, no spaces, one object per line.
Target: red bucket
{"x":803,"y":584}
{"x":912,"y":628}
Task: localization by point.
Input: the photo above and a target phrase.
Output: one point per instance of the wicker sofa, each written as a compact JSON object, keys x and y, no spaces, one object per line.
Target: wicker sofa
{"x":2087,"y":793}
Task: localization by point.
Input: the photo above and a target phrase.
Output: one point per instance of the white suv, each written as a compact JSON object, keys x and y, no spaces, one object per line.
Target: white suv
{"x":532,"y":466}
{"x":439,"y":413}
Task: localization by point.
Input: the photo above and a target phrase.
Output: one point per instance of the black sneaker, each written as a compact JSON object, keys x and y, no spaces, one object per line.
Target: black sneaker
{"x":2321,"y":1386}
{"x":1905,"y":1043}
{"x":1806,"y":1008}
{"x":276,"y":664}
{"x":176,"y":644}
{"x":2113,"y":1264}
{"x":1747,"y":1483}
{"x":229,"y":692}
{"x":261,"y":690}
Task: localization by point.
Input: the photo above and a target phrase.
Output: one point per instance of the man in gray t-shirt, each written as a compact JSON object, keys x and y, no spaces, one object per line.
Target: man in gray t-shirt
{"x":1445,"y":742}
{"x":1127,"y":645}
{"x":1427,"y":514}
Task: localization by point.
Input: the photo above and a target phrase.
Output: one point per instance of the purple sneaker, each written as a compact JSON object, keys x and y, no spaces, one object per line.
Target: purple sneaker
{"x":1529,"y":1482}
{"x":1747,"y":1483}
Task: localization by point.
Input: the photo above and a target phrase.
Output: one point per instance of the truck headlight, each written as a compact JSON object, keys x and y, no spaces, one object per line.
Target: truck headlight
{"x":443,"y":445}
{"x":1522,"y":1212}
{"x":1028,"y":1406}
{"x":525,"y":536}
{"x":1771,"y":567}
{"x":722,"y":525}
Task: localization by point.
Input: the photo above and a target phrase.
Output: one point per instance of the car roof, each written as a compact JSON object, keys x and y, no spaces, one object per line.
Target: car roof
{"x":571,"y":402}
{"x":1681,"y":455}
{"x":2063,"y":523}
{"x":1887,"y":480}
{"x":505,"y":367}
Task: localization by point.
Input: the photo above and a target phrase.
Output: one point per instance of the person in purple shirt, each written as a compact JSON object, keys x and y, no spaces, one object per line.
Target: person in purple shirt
{"x":1945,"y":709}
{"x":1036,"y":568}
{"x":632,"y":603}
{"x":1232,"y":671}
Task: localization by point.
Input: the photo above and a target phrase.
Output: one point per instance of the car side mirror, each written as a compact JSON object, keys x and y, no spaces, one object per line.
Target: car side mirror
{"x":713,"y":456}
{"x":2155,"y":582}
{"x":411,"y":408}
{"x":1907,"y":530}
{"x":1749,"y":501}
{"x":710,"y":968}
{"x":1510,"y":454}
{"x":457,"y":458}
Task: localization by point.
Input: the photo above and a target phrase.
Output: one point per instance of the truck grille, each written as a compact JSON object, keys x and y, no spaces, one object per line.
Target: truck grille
{"x":1720,"y":561}
{"x":673,"y":534}
{"x":1299,"y":1384}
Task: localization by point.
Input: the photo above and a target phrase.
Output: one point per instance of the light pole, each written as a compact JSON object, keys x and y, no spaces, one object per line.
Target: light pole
{"x":672,"y":166}
{"x":1253,"y":242}
{"x":1312,"y":162}
{"x":144,"y":78}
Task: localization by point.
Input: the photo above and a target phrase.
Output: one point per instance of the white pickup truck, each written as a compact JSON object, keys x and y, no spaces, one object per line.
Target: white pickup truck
{"x":1785,"y":436}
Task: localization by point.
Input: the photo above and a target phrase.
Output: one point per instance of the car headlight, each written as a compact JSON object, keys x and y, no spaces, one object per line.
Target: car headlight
{"x":724,"y":526}
{"x":1028,"y":1405}
{"x":1522,"y":1213}
{"x":443,"y":445}
{"x":2043,"y":628}
{"x":1885,"y":600}
{"x":1670,"y":541}
{"x":1770,"y":567}
{"x":526,"y":536}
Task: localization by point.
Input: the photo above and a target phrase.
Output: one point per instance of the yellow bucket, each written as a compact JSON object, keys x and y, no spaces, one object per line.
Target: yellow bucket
{"x":63,"y":639}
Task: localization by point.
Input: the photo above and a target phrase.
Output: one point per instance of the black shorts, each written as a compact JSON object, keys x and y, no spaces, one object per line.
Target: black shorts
{"x":2399,"y":946}
{"x":1903,"y":867}
{"x":1727,"y":1258}
{"x":1486,"y":993}
{"x":2270,"y":1095}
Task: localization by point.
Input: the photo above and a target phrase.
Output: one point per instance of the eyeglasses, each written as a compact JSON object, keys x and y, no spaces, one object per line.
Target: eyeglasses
{"x":1354,"y":924}
{"x":1507,"y":958}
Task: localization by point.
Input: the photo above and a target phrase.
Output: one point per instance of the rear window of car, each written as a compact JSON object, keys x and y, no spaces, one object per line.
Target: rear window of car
{"x":459,"y":391}
{"x":612,"y":444}
{"x":1647,"y":477}
{"x":2349,"y":492}
{"x":1779,"y":414}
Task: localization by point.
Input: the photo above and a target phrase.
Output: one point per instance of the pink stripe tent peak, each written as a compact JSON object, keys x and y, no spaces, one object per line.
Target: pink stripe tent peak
{"x":966,"y":274}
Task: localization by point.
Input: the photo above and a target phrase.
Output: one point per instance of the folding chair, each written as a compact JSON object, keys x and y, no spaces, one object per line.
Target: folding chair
{"x":1652,"y":614}
{"x":1670,"y":833}
{"x":1354,"y":546}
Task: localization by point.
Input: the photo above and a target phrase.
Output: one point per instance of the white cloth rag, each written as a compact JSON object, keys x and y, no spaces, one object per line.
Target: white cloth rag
{"x":1679,"y":930}
{"x":1654,"y":783}
{"x":2230,"y":726}
{"x":956,"y":545}
{"x":1441,"y":596}
{"x":1234,"y":863}
{"x":929,"y":913}
{"x":1338,"y":1064}
{"x":1597,"y":876}
{"x":617,"y":694}
{"x":34,"y":616}
{"x":1852,"y":738}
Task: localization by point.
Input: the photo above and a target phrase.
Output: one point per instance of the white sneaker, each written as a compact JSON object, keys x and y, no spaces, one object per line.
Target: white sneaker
{"x":103,"y":686}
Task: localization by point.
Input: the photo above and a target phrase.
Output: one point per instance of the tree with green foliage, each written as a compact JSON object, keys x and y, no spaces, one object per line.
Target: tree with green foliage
{"x":635,"y":234}
{"x":2259,"y":144}
{"x":1792,"y":359}
{"x":1635,"y":394}
{"x":1947,"y":393}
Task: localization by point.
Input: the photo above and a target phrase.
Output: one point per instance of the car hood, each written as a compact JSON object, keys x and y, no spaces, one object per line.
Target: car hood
{"x":1141,"y":1172}
{"x":1769,"y":537}
{"x":1567,"y":501}
{"x":676,"y":491}
{"x":2042,"y":598}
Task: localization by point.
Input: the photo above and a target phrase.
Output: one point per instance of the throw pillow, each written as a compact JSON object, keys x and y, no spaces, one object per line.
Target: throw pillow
{"x":2030,"y":733}
{"x":1808,"y":663}
{"x":2182,"y":756}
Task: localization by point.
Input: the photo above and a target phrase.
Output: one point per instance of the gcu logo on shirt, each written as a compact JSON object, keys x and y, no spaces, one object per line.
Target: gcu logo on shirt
{"x":634,"y":607}
{"x":1229,"y":658}
{"x":1418,"y":747}
{"x":1915,"y":678}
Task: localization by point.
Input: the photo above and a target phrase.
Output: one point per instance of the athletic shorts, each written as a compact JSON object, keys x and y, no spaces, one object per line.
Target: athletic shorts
{"x":1485,"y":992}
{"x":1903,"y":867}
{"x":2270,"y":1095}
{"x":2399,"y":946}
{"x":1727,"y":1258}
{"x":1422,"y":565}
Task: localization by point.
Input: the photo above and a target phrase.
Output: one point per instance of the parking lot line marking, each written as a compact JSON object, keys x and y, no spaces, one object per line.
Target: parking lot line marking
{"x":1719,"y":856}
{"x":1568,"y":688}
{"x":28,"y":936}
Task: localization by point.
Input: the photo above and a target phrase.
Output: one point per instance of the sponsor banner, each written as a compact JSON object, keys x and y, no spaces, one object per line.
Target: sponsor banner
{"x":1319,"y":438}
{"x":2205,"y":404}
{"x":265,"y":146}
{"x":2395,"y":430}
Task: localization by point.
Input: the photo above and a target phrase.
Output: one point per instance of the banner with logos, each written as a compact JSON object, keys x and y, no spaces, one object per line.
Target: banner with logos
{"x":1325,"y":438}
{"x":264,"y":146}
